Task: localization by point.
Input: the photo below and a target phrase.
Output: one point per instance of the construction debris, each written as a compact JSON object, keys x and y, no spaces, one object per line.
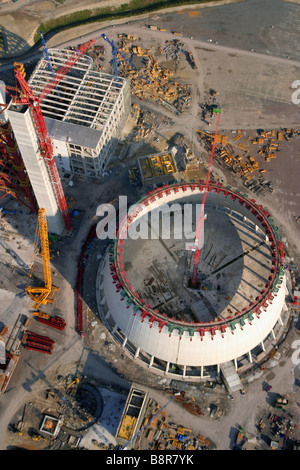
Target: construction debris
{"x":150,"y":80}
{"x":161,"y":434}
{"x":238,"y":157}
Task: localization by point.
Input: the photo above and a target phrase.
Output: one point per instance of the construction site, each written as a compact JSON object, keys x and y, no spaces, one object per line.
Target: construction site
{"x":168,"y":335}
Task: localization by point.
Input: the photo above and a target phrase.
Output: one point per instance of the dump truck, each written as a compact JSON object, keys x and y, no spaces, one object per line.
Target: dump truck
{"x":192,"y":60}
{"x":240,"y":438}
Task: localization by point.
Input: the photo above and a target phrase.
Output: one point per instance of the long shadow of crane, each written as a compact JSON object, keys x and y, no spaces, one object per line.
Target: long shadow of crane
{"x":14,"y":255}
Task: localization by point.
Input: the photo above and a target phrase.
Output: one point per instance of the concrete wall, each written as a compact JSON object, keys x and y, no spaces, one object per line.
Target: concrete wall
{"x":181,"y":349}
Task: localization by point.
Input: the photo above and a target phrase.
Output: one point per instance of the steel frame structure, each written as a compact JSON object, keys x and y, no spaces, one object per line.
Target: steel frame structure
{"x":86,"y":97}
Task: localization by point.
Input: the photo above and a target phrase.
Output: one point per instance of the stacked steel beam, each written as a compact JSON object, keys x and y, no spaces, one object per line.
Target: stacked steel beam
{"x":55,"y":322}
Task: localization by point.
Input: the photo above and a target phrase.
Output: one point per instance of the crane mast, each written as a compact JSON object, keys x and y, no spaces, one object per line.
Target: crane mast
{"x":42,"y":295}
{"x":46,"y":53}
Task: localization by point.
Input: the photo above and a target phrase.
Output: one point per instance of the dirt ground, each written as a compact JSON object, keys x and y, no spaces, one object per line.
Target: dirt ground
{"x":20,"y":20}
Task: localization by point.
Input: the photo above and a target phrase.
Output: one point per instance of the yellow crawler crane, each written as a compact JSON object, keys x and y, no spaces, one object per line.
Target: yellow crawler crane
{"x":42,"y":295}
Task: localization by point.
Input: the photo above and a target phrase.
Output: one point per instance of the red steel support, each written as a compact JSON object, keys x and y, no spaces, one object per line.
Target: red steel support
{"x":201,"y":217}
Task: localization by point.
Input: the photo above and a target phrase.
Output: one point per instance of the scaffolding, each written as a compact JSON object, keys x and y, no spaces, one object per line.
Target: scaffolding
{"x":14,"y":180}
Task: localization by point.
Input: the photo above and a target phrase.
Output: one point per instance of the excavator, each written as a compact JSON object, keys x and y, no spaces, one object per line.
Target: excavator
{"x":44,"y":294}
{"x":74,"y":382}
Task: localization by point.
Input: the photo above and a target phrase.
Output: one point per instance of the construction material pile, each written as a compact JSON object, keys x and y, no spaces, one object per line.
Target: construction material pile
{"x":238,"y":156}
{"x":160,"y":434}
{"x":36,"y":342}
{"x":54,"y":322}
{"x":153,"y":81}
{"x":144,"y":128}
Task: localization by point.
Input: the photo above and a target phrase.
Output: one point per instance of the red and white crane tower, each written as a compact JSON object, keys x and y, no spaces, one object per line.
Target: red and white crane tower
{"x":200,"y":228}
{"x":34,"y":103}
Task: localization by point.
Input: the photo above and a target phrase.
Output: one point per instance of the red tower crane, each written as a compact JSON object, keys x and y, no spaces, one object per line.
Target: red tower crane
{"x":201,"y":218}
{"x":29,"y":98}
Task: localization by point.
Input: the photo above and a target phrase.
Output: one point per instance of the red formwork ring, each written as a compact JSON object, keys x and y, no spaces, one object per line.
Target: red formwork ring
{"x":257,"y":210}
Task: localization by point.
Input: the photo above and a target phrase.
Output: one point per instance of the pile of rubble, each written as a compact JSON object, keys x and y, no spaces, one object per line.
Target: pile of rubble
{"x":152,"y":81}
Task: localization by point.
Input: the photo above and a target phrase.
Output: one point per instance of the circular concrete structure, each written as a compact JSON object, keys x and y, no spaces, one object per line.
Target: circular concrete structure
{"x":144,"y":293}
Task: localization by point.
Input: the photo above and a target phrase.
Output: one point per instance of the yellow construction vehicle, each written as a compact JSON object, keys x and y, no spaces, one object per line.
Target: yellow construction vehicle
{"x":37,"y":437}
{"x":74,"y":382}
{"x":42,"y":295}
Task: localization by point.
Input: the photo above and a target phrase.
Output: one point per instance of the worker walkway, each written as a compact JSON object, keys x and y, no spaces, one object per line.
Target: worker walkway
{"x":231,"y":377}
